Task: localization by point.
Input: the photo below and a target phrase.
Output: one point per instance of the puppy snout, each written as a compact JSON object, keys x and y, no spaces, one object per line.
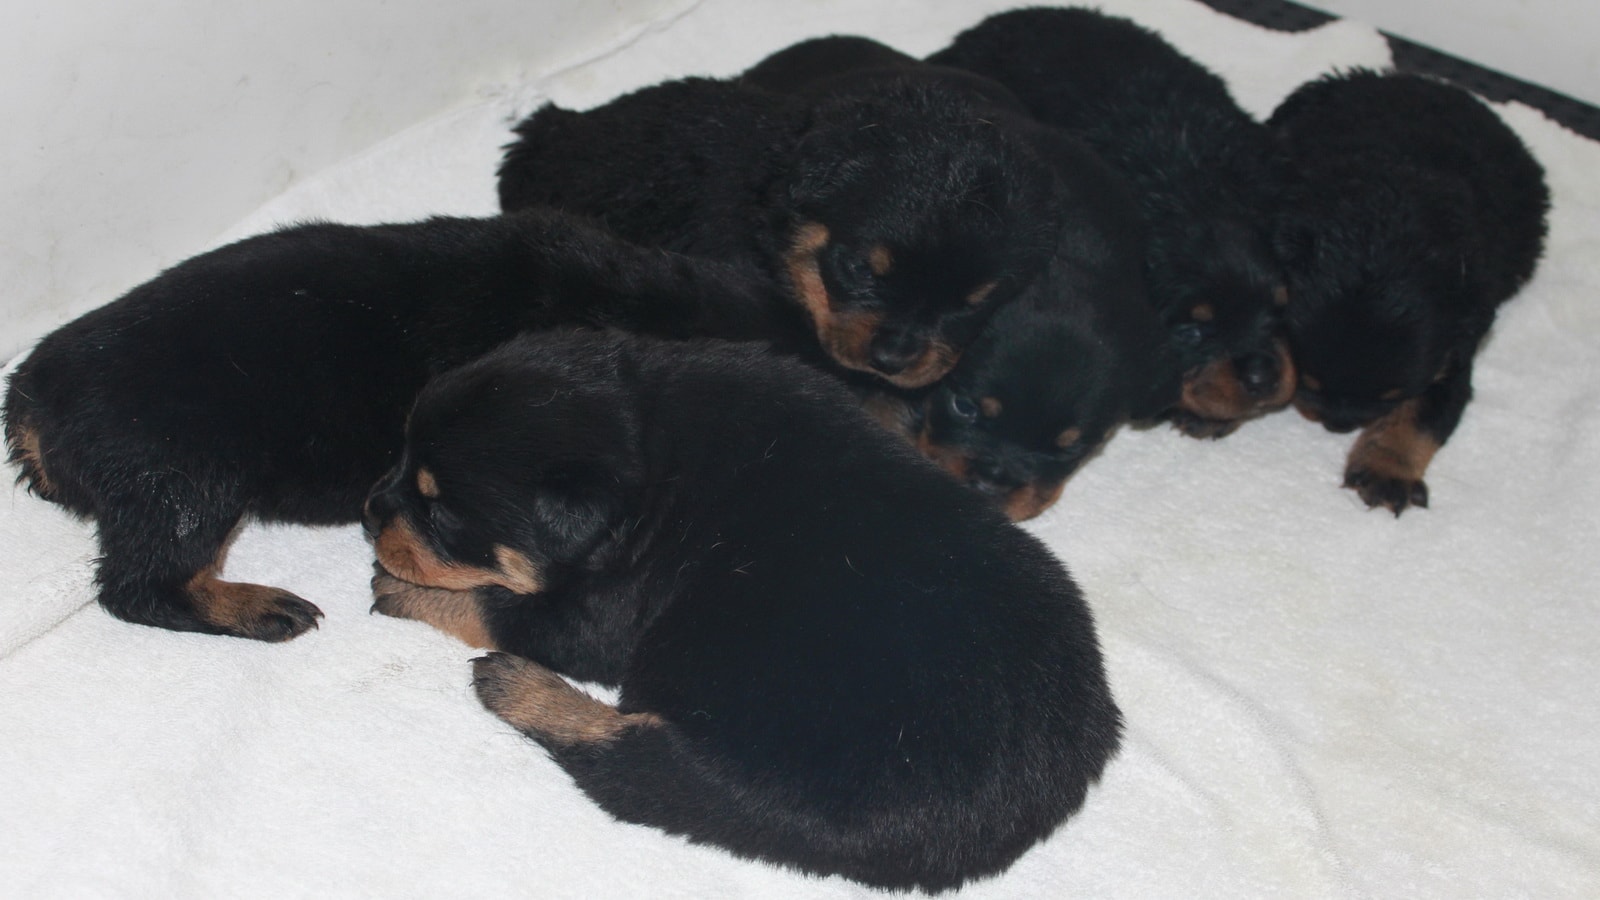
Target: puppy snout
{"x":893,"y":351}
{"x":1259,"y":374}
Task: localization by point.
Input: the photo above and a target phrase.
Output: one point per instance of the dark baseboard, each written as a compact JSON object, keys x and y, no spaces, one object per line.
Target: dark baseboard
{"x":1409,"y":56}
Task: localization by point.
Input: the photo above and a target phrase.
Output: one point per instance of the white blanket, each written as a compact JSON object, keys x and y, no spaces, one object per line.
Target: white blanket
{"x":1321,"y":700}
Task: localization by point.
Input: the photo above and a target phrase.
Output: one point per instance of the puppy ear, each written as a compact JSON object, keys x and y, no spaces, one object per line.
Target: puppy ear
{"x":1294,"y":243}
{"x":575,"y":505}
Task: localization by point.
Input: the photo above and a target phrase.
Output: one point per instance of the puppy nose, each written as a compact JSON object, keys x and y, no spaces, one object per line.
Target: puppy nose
{"x":1258,"y":373}
{"x":893,"y":351}
{"x":369,"y":521}
{"x":375,"y":512}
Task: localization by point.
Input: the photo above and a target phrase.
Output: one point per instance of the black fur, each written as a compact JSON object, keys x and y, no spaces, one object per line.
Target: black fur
{"x":723,"y":534}
{"x":1079,"y":352}
{"x":791,"y":187}
{"x":270,"y":378}
{"x":1200,"y":168}
{"x":1412,"y":212}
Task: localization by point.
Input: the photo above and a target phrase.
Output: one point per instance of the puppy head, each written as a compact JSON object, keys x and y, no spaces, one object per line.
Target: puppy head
{"x":1222,"y":295}
{"x":1380,"y":282}
{"x":905,"y":220}
{"x":1031,"y":401}
{"x":516,"y":469}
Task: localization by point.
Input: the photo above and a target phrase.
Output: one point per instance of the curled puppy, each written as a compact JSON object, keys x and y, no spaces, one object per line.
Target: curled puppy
{"x":1412,"y":213}
{"x":830,"y":656}
{"x":896,"y":217}
{"x":1057,"y":370}
{"x":270,"y":378}
{"x":1201,"y":170}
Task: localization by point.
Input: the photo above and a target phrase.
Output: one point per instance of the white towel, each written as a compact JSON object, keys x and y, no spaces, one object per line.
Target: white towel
{"x":1322,"y":700}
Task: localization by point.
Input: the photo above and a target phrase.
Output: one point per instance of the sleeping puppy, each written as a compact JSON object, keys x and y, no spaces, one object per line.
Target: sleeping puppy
{"x":1201,"y":169}
{"x":1057,"y":370}
{"x":896,"y":217}
{"x":1055,"y":374}
{"x":1412,"y":213}
{"x":270,"y":378}
{"x":722,"y":534}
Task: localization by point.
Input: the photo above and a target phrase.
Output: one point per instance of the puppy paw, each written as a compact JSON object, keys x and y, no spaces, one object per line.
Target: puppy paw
{"x":1388,"y":461}
{"x":253,"y":611}
{"x":394,"y":597}
{"x":496,"y":680}
{"x":456,"y":613}
{"x":1387,"y":490}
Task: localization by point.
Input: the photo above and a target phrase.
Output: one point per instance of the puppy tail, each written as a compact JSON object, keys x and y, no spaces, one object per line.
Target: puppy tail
{"x":640,"y":768}
{"x":23,"y":446}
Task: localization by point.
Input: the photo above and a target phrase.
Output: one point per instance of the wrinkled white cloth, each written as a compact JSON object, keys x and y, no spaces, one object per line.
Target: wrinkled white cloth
{"x":1321,"y":700}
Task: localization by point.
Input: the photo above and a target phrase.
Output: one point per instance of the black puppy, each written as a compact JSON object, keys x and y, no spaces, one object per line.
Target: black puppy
{"x":896,"y":217}
{"x":270,"y":378}
{"x":1412,"y":213}
{"x":830,"y":656}
{"x":1079,"y":352}
{"x":1201,"y":170}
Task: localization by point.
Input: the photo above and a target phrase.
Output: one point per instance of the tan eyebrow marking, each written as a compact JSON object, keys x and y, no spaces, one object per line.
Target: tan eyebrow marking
{"x":1069,"y":437}
{"x":991,"y":407}
{"x":427,"y":484}
{"x":1203,"y":312}
{"x":981,"y":293}
{"x":880,"y":259}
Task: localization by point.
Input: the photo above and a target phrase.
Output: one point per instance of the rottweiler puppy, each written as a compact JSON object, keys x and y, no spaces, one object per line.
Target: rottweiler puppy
{"x":1079,"y":352}
{"x":831,"y":657}
{"x":270,"y":378}
{"x":1411,"y":213}
{"x":896,"y":217}
{"x":1201,"y":169}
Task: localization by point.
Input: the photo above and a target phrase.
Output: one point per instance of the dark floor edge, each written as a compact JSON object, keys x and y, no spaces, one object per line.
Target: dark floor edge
{"x":1409,"y":56}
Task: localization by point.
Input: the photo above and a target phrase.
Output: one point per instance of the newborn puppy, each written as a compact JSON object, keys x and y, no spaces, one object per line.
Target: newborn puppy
{"x":1412,"y":213}
{"x":1080,"y":351}
{"x":830,"y":656}
{"x":270,"y":378}
{"x":896,"y":218}
{"x":1201,"y":170}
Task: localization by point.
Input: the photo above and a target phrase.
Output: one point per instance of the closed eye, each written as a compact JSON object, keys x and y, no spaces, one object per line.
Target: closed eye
{"x":962,"y":407}
{"x":1192,"y":334}
{"x":442,"y":519}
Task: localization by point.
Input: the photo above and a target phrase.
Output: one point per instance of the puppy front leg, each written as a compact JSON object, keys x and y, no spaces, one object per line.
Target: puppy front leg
{"x":1389,"y":458}
{"x":456,"y":613}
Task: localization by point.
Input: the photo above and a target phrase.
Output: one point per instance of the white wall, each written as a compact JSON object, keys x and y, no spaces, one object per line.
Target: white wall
{"x":1554,"y":43}
{"x":135,"y":132}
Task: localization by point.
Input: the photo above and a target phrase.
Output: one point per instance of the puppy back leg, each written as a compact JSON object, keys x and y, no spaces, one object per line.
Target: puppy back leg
{"x":161,"y":548}
{"x":641,"y":768}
